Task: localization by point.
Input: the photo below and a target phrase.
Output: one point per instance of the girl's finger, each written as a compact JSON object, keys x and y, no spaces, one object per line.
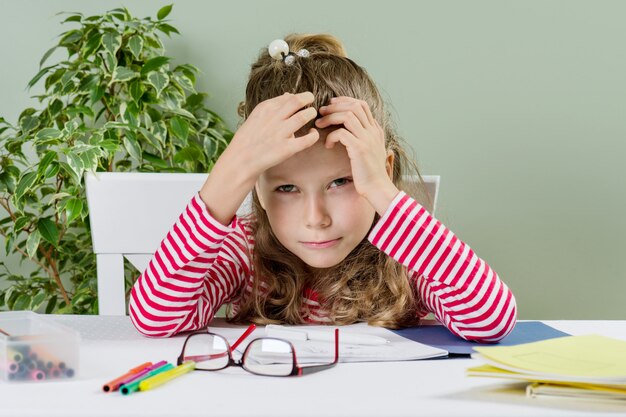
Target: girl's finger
{"x":289,"y":104}
{"x":298,"y":120}
{"x":368,"y":112}
{"x":300,"y":143}
{"x":348,"y":105}
{"x":347,"y":118}
{"x":342,"y":136}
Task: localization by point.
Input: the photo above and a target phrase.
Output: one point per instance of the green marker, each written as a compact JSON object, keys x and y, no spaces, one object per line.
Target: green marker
{"x":134,"y":386}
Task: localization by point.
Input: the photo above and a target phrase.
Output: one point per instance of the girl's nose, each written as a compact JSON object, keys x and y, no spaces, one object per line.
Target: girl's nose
{"x":316,"y":213}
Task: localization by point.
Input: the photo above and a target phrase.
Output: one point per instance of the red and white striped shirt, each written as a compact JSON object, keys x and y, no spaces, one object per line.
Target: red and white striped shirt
{"x":202,"y":264}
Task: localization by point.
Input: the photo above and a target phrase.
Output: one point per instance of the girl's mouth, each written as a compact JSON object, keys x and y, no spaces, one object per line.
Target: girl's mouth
{"x":321,"y":244}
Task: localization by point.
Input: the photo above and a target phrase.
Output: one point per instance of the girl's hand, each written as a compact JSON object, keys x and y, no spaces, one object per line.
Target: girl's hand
{"x":267,"y":137}
{"x":364,"y":140}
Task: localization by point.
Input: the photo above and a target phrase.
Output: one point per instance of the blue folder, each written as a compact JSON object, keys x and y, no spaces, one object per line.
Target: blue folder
{"x":440,"y":337}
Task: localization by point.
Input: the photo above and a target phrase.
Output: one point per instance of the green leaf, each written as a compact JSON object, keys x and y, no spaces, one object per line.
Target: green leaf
{"x":96,"y":94}
{"x":22,"y":302}
{"x":48,"y":230}
{"x":167,"y":29}
{"x":40,"y":74}
{"x":73,"y":209}
{"x":38,"y":299}
{"x":73,"y":111}
{"x":51,"y":304}
{"x":73,"y":18}
{"x":7,"y":183}
{"x":90,"y":159}
{"x":45,"y":162}
{"x":70,"y":37}
{"x":26,"y":182}
{"x":158,"y":81}
{"x":180,"y":127}
{"x":110,"y":61}
{"x":109,"y":145}
{"x":76,"y":165}
{"x":136,"y":90}
{"x":183,"y":112}
{"x":92,"y":45}
{"x":210,"y":147}
{"x":184,"y":82}
{"x":132,"y":147}
{"x":154,"y":63}
{"x":47,"y":133}
{"x":153,"y":139}
{"x":123,"y":74}
{"x":55,"y":107}
{"x":32,"y":243}
{"x":112,"y":42}
{"x":47,"y":55}
{"x":28,"y":123}
{"x":164,"y":11}
{"x":20,"y":222}
{"x":8,"y":244}
{"x":187,"y":154}
{"x":135,"y":44}
{"x":52,"y":170}
{"x":154,"y":160}
{"x":89,"y":82}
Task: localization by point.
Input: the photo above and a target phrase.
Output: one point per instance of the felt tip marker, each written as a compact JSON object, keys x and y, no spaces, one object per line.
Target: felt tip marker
{"x":134,"y":386}
{"x":167,"y":376}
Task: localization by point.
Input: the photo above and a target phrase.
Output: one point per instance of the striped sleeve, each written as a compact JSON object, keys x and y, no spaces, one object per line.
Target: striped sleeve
{"x":460,"y":288}
{"x":198,"y":266}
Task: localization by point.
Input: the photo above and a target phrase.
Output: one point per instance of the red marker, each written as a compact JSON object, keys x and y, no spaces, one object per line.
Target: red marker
{"x":115,"y":384}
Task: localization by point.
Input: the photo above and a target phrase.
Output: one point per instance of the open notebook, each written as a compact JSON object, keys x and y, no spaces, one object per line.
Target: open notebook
{"x":314,"y":351}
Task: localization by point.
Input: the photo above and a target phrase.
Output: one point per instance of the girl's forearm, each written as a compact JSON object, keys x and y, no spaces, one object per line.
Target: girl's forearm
{"x":227,"y":186}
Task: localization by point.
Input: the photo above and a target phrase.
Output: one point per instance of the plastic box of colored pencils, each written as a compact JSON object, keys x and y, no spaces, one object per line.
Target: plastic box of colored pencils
{"x":34,"y":348}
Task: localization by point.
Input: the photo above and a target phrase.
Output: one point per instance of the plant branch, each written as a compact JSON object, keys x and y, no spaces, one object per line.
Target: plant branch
{"x":4,"y":202}
{"x":55,"y":275}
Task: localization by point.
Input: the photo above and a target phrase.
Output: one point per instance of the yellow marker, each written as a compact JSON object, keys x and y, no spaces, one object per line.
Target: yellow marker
{"x":163,"y":377}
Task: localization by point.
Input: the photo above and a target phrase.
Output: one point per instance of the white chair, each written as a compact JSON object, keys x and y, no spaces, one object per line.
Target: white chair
{"x":130,"y":214}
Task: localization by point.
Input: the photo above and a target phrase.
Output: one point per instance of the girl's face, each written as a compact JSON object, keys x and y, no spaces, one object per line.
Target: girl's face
{"x":312,"y":205}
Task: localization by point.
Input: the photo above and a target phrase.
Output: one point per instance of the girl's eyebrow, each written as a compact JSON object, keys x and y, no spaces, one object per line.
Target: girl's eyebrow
{"x":280,"y":178}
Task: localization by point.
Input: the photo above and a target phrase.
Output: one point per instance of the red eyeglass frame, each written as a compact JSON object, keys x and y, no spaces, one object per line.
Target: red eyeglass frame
{"x":296,"y":370}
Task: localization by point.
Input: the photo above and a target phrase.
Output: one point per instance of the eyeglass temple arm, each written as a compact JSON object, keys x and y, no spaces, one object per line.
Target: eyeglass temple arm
{"x":305,"y":370}
{"x":243,"y":337}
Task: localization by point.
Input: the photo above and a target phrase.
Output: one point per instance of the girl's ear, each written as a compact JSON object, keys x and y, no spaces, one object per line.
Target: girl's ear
{"x":389,"y":163}
{"x":257,"y":188}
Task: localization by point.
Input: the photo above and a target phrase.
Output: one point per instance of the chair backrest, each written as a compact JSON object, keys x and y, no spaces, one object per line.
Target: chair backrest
{"x":130,"y":213}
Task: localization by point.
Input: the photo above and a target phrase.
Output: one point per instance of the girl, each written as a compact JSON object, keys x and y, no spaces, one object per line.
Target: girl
{"x":333,"y":237}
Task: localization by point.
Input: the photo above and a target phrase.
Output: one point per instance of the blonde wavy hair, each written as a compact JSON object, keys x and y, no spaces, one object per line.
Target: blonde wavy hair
{"x":367,"y":285}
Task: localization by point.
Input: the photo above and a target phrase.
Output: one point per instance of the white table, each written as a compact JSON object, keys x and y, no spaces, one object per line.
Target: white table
{"x":428,"y":387}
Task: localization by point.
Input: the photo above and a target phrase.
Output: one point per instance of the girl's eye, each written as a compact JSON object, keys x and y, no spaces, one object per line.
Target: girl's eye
{"x":340,"y":182}
{"x":286,"y":188}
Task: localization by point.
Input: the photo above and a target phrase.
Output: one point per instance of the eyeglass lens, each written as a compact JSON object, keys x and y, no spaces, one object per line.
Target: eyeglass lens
{"x":265,"y":356}
{"x":209,"y":352}
{"x":269,"y":357}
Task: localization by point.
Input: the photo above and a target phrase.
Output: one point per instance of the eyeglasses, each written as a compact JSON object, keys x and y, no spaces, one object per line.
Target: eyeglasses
{"x":267,"y":356}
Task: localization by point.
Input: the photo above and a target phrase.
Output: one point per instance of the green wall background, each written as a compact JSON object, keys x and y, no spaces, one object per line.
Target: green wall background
{"x":519,"y":105}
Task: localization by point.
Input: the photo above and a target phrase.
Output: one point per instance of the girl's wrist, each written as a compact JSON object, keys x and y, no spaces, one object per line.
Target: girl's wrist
{"x":381,"y":196}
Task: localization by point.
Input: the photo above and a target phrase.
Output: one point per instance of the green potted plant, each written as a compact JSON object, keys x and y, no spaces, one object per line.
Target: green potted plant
{"x":116,"y":103}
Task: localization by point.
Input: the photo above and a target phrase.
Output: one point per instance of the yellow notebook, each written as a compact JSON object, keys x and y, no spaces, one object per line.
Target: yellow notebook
{"x":591,"y":359}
